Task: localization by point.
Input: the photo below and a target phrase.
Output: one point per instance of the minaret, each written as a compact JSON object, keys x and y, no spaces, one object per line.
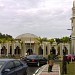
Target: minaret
{"x":73,"y":29}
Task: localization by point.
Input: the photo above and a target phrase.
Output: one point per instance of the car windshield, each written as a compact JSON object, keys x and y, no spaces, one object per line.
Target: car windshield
{"x":41,"y":57}
{"x":1,"y":64}
{"x":32,"y":56}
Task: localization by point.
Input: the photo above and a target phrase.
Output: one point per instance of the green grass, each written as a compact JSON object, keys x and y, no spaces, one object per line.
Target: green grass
{"x":70,"y":68}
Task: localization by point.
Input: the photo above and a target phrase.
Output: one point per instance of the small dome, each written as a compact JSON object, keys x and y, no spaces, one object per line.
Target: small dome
{"x":26,"y":35}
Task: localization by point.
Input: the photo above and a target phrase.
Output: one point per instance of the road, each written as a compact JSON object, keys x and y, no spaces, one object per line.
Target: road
{"x":31,"y":70}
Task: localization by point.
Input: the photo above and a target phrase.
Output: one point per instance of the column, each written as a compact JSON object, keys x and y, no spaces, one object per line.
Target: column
{"x":7,"y":49}
{"x":34,"y":48}
{"x":13,"y":48}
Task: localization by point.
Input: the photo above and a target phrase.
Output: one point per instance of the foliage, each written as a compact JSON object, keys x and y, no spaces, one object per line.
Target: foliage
{"x":44,"y":39}
{"x":58,"y":40}
{"x":65,"y":39}
{"x":40,"y":40}
{"x":51,"y":41}
{"x":5,"y":38}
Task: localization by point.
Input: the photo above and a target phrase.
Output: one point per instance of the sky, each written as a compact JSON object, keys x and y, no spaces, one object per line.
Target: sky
{"x":44,"y":18}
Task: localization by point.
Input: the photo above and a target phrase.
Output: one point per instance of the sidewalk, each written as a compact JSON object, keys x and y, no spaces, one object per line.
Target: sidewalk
{"x":44,"y":70}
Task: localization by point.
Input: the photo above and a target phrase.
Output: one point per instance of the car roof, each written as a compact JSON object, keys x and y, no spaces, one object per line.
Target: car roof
{"x":6,"y":59}
{"x":35,"y":55}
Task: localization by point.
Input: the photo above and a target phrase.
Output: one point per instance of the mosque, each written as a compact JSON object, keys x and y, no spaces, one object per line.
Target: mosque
{"x":28,"y":44}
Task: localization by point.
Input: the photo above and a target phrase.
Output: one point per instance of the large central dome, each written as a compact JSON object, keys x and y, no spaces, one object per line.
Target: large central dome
{"x":26,"y":35}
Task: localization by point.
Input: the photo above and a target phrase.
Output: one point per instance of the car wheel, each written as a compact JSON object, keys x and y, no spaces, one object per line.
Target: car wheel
{"x":38,"y":64}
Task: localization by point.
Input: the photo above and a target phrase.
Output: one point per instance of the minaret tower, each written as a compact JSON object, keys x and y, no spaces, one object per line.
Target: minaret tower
{"x":73,"y":29}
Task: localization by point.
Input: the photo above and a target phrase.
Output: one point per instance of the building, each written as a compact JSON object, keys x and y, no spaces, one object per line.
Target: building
{"x":73,"y":29}
{"x":26,"y":44}
{"x":29,"y":43}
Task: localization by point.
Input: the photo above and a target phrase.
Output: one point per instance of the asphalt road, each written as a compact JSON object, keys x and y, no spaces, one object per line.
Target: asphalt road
{"x":31,"y":70}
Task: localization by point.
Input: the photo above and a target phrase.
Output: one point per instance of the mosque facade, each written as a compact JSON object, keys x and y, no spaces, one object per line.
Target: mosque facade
{"x":26,"y":44}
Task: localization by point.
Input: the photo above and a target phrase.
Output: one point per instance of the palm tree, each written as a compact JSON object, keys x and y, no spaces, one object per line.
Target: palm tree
{"x":40,"y":41}
{"x":51,"y":41}
{"x":58,"y":41}
{"x":65,"y":39}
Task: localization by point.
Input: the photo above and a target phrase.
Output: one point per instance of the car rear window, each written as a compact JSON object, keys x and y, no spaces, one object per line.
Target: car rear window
{"x":32,"y":56}
{"x":41,"y":57}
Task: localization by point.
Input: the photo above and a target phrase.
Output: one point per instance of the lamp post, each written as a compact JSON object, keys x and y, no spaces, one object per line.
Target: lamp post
{"x":30,"y":43}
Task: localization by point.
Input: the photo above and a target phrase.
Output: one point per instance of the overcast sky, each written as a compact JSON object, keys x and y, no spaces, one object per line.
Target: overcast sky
{"x":44,"y":18}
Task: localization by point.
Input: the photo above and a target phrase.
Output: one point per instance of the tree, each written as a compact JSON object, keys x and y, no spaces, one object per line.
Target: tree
{"x":40,"y":40}
{"x":5,"y":38}
{"x":44,"y":39}
{"x":51,"y":41}
{"x":57,"y":40}
{"x":65,"y":39}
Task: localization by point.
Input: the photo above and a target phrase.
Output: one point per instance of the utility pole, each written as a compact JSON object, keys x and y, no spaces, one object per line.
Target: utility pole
{"x":30,"y":42}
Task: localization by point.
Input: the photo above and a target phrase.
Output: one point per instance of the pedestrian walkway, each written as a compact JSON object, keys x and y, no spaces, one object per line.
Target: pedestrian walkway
{"x":44,"y":70}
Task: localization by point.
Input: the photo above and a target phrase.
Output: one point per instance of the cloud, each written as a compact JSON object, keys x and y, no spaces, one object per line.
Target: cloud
{"x":42,"y":17}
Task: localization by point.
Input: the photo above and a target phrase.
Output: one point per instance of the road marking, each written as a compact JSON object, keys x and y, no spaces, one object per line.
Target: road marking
{"x":39,"y":71}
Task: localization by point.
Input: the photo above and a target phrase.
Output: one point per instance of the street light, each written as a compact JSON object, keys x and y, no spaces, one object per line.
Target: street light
{"x":30,"y":42}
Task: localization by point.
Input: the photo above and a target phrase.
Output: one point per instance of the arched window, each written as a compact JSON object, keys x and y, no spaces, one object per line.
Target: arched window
{"x":4,"y":50}
{"x":10,"y":50}
{"x":40,"y":52}
{"x":17,"y":50}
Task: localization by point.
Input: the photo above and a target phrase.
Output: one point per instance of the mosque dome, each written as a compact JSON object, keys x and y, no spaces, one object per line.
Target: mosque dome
{"x":26,"y":35}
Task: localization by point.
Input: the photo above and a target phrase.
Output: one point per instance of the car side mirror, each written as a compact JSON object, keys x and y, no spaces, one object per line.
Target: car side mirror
{"x":6,"y":70}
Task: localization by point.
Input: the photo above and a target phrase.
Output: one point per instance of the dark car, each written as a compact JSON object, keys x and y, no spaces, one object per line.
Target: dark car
{"x":35,"y":60}
{"x":12,"y":67}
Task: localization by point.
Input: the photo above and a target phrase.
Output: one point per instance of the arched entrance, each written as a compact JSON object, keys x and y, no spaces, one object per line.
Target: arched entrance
{"x":29,"y":52}
{"x":53,"y":50}
{"x":3,"y":51}
{"x":10,"y":50}
{"x":17,"y":50}
{"x":46,"y":50}
{"x":40,"y":52}
{"x":65,"y":50}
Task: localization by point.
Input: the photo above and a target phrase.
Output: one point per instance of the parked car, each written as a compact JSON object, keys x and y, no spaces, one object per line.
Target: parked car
{"x":12,"y":67}
{"x":70,"y":57}
{"x":35,"y":60}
